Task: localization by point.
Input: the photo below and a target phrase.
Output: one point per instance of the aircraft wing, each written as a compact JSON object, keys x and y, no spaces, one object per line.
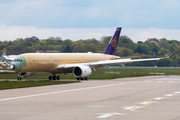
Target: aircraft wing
{"x":110,"y":62}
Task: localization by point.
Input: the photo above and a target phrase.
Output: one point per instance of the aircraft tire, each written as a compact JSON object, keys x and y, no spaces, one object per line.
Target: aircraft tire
{"x":54,"y":77}
{"x":20,"y":78}
{"x":50,"y":78}
{"x":86,"y":78}
{"x":58,"y":78}
{"x":82,"y":79}
{"x":17,"y":78}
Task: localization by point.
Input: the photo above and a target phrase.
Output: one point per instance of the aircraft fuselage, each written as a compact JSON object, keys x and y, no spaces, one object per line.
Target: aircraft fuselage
{"x":48,"y":62}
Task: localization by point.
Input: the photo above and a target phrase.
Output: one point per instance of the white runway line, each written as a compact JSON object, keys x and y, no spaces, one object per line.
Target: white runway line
{"x":106,"y":115}
{"x":159,"y":98}
{"x":146,"y":102}
{"x":169,"y":95}
{"x":131,"y":107}
{"x":64,"y":91}
{"x":176,"y":92}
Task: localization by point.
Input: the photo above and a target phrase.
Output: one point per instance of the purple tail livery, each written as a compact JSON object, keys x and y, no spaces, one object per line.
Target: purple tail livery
{"x":4,"y":53}
{"x":111,"y":48}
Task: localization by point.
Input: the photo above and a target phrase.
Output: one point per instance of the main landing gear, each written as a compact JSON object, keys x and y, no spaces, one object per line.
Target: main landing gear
{"x":18,"y":78}
{"x":54,"y":77}
{"x":86,"y":78}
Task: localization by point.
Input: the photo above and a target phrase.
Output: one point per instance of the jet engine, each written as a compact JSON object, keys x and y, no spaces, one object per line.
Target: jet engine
{"x":82,"y":71}
{"x":26,"y":74}
{"x":4,"y":64}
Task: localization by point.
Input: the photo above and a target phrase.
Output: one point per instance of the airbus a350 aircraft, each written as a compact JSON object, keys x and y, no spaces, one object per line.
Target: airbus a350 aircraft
{"x":6,"y":59}
{"x":80,"y":65}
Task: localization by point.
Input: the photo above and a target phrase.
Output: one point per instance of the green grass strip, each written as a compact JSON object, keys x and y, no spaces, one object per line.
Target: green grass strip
{"x":22,"y":84}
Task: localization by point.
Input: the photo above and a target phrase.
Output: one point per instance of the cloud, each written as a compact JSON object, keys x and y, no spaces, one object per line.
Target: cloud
{"x":162,"y":14}
{"x":14,"y":32}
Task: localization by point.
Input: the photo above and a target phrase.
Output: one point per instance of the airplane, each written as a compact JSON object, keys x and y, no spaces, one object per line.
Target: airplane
{"x":6,"y":60}
{"x":9,"y":57}
{"x":80,"y":65}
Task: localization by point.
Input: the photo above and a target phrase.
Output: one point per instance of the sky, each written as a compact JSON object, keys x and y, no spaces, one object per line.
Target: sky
{"x":86,"y":19}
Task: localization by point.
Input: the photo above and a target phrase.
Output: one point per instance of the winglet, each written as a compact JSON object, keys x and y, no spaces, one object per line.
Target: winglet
{"x":171,"y":54}
{"x":4,"y":53}
{"x":111,"y":48}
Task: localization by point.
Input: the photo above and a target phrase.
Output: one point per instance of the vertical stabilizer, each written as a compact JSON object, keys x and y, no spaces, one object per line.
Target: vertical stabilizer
{"x":111,"y":48}
{"x":4,"y":53}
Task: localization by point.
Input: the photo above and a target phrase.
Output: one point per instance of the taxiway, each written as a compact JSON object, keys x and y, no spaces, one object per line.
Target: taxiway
{"x":138,"y":98}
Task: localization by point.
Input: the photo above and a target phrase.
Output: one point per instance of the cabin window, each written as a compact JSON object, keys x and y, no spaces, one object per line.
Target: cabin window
{"x":18,"y":60}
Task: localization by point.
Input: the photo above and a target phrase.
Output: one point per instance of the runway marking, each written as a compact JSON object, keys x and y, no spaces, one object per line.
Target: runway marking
{"x":64,"y":91}
{"x":146,"y":102}
{"x":136,"y":103}
{"x":177,"y":92}
{"x":169,"y":95}
{"x":106,"y":115}
{"x":143,"y":104}
{"x":131,"y":107}
{"x":135,"y":108}
{"x":159,"y":98}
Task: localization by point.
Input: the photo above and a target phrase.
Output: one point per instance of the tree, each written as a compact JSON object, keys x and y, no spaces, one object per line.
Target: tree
{"x":153,"y":45}
{"x":106,"y":40}
{"x":27,"y":42}
{"x":162,"y":51}
{"x":50,"y":42}
{"x":30,"y":49}
{"x":67,"y":42}
{"x":125,"y":41}
{"x":124,"y":52}
{"x":78,"y":47}
{"x":67,"y":50}
{"x":143,"y":48}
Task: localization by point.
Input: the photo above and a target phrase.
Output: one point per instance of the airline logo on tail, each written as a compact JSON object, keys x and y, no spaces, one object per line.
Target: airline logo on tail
{"x":114,"y":42}
{"x":111,"y":48}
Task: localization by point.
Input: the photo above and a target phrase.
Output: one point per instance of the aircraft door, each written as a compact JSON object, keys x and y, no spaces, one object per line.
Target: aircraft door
{"x":29,"y":60}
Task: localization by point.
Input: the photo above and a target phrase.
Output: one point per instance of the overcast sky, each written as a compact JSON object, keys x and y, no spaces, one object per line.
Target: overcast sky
{"x":86,"y":19}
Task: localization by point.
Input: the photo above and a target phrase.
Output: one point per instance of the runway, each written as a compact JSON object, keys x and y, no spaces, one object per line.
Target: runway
{"x":135,"y":98}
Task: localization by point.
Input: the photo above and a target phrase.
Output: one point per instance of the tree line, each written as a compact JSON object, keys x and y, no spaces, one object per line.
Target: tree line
{"x":126,"y":47}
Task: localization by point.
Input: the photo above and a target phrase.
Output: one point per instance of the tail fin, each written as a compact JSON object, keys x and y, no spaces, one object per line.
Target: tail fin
{"x":111,"y":48}
{"x":4,"y":53}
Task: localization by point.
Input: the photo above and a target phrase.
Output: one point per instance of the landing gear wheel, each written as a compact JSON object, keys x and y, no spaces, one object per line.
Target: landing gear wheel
{"x":58,"y":78}
{"x":18,"y":78}
{"x":54,"y":77}
{"x":77,"y":78}
{"x":86,"y":78}
{"x":82,"y":79}
{"x":50,"y":78}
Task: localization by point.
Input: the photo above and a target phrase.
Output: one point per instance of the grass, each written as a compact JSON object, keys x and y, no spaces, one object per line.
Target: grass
{"x":105,"y":73}
{"x":22,"y":84}
{"x":101,"y":74}
{"x":132,"y":72}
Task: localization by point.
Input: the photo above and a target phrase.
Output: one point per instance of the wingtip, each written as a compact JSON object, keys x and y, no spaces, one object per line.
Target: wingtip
{"x":172,"y":54}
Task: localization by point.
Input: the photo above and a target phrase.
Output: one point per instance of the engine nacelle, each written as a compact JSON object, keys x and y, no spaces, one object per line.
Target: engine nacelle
{"x":82,"y":71}
{"x":27,"y":74}
{"x":4,"y":64}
